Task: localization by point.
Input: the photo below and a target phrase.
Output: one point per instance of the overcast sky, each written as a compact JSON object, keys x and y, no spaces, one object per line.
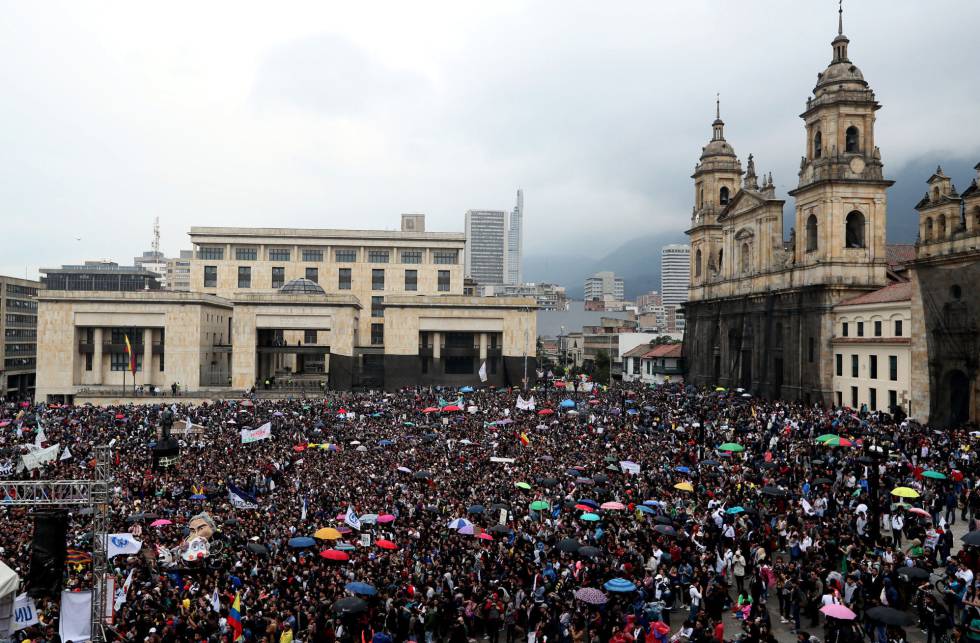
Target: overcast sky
{"x":346,"y":114}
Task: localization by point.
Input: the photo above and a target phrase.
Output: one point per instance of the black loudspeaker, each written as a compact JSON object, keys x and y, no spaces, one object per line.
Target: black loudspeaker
{"x":48,"y":551}
{"x":166,"y":452}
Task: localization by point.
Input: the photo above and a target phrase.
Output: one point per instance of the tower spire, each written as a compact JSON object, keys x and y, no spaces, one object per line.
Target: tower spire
{"x":718,"y":106}
{"x":840,"y":17}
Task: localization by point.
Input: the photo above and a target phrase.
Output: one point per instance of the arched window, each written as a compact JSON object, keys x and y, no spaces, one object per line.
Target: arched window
{"x":854,"y":230}
{"x":723,"y":196}
{"x":701,"y":198}
{"x":935,"y":193}
{"x":851,"y":139}
{"x":697,"y":263}
{"x":928,"y":229}
{"x":941,"y":227}
{"x":817,"y":145}
{"x":811,"y":233}
{"x":746,"y":257}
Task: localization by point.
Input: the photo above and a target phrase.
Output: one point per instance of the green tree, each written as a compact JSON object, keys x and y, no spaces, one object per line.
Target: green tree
{"x":601,"y":371}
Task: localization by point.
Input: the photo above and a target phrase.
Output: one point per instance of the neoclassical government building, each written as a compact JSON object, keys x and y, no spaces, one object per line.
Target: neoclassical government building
{"x":761,"y":308}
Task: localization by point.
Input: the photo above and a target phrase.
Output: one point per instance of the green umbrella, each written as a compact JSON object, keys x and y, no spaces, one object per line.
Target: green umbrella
{"x":589,"y":517}
{"x":731,"y":446}
{"x":522,"y":485}
{"x":539,"y":505}
{"x":826,"y":436}
{"x":935,"y":475}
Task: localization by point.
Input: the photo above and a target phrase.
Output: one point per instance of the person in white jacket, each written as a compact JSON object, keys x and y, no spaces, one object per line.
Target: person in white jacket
{"x":897,"y":525}
{"x":695,"y":593}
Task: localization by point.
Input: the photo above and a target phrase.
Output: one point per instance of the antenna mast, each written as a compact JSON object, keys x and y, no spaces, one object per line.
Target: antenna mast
{"x":156,"y":236}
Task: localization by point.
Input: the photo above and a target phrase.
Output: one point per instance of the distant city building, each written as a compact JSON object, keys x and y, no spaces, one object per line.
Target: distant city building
{"x":675,"y":273}
{"x":603,"y":284}
{"x":649,"y":301}
{"x":547,"y":296}
{"x":486,"y":246}
{"x":101,"y":275}
{"x":179,"y":272}
{"x":18,"y":336}
{"x":515,"y":243}
{"x":153,"y":261}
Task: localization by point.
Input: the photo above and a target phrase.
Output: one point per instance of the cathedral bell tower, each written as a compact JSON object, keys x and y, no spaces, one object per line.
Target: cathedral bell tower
{"x":716,"y":180}
{"x":840,"y":200}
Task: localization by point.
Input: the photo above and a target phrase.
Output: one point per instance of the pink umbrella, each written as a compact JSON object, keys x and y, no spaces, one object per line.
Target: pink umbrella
{"x":467,"y":530}
{"x":386,"y":518}
{"x":838,"y":611}
{"x":485,"y":536}
{"x":612,"y":505}
{"x":161,"y":522}
{"x":919,"y":512}
{"x":340,"y":516}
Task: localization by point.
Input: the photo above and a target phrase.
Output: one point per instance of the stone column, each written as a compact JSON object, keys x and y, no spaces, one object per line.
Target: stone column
{"x":97,"y":356}
{"x":147,"y":356}
{"x":483,"y":346}
{"x":436,"y":345}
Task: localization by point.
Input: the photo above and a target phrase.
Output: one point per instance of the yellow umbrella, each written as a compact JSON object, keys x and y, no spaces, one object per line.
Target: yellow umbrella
{"x":327,"y":533}
{"x":905,"y":492}
{"x":684,"y":486}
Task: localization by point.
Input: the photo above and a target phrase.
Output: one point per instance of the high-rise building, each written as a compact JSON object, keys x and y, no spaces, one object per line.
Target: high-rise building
{"x":178,"y":275}
{"x":604,"y":285}
{"x":675,"y":273}
{"x":515,"y":243}
{"x":99,"y":275}
{"x":18,"y":336}
{"x":486,"y":246}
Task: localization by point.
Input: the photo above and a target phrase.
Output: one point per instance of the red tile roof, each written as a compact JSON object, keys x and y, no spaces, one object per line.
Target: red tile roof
{"x":899,"y":254}
{"x":665,"y":350}
{"x":901,"y":291}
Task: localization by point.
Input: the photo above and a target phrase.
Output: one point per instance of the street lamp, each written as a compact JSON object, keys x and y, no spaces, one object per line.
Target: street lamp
{"x":875,"y":454}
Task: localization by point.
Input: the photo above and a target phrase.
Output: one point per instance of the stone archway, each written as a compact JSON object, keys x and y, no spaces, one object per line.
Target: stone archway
{"x":958,"y":387}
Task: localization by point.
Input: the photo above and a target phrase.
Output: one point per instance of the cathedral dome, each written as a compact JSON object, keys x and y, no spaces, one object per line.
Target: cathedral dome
{"x":302,"y":287}
{"x":841,"y":73}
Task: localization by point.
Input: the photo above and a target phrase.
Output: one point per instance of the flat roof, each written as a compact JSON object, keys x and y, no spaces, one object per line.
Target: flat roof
{"x":458,"y":301}
{"x":134,"y":297}
{"x":323,"y":234}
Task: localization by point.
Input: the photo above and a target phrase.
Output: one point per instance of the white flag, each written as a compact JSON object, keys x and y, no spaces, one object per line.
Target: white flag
{"x":241,"y":499}
{"x":302,"y":516}
{"x":66,"y":455}
{"x":122,"y":543}
{"x":483,"y":372}
{"x":75,"y":619}
{"x":215,"y":601}
{"x":351,"y":518}
{"x":122,"y":591}
{"x":41,"y":438}
{"x":25,"y":613}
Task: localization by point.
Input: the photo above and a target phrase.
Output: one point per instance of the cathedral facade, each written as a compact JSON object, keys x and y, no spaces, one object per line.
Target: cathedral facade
{"x":759,"y":314}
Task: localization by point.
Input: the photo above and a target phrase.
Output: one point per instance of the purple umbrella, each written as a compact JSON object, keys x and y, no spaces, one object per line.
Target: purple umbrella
{"x":591,"y":595}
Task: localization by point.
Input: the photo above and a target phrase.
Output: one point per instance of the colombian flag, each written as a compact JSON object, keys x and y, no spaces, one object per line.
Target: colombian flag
{"x":130,"y":354}
{"x":235,"y":618}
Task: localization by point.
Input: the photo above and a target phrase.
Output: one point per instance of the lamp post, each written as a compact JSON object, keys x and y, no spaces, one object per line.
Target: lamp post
{"x":875,"y":454}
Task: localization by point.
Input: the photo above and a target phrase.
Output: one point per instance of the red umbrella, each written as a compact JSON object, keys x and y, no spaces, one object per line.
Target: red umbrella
{"x":430,"y":409}
{"x":546,"y":412}
{"x":956,"y":475}
{"x":385,"y":544}
{"x":299,"y":448}
{"x":451,"y":407}
{"x":341,"y":411}
{"x":333,"y":554}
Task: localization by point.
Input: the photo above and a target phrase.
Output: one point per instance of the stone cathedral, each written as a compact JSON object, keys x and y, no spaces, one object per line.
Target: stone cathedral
{"x":759,"y":314}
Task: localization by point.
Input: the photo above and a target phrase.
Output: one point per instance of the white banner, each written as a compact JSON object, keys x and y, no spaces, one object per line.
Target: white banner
{"x":264,"y":432}
{"x":525,"y":405}
{"x":31,"y":461}
{"x":122,"y":543}
{"x":631,"y":468}
{"x":494,"y":458}
{"x":75,"y":620}
{"x":25,"y":613}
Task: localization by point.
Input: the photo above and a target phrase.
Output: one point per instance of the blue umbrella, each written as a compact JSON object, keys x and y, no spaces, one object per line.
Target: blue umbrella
{"x":682,"y":469}
{"x":364,"y":589}
{"x":652,"y":503}
{"x":632,"y":412}
{"x":458,"y":523}
{"x":466,"y":389}
{"x":589,"y":502}
{"x":385,"y":443}
{"x":475,"y":509}
{"x":344,"y":547}
{"x":620,"y":585}
{"x":199,"y":496}
{"x":301,"y":542}
{"x":567,"y":404}
{"x":645,"y":509}
{"x":734,"y":510}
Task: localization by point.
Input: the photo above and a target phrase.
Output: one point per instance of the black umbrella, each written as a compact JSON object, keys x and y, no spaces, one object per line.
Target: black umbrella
{"x":890,"y":616}
{"x":422,"y":475}
{"x":256,"y":548}
{"x":972,"y":538}
{"x":768,"y":465}
{"x":548,"y":482}
{"x":823,"y":481}
{"x":432,"y":509}
{"x":475,"y":509}
{"x":137,"y":517}
{"x":498,"y":506}
{"x":500,"y":529}
{"x":666,"y":530}
{"x":569,"y":545}
{"x":663,"y":520}
{"x":914,"y":573}
{"x":588,"y":551}
{"x":601,"y":478}
{"x":775,"y":492}
{"x":350,"y":605}
{"x":231,"y":522}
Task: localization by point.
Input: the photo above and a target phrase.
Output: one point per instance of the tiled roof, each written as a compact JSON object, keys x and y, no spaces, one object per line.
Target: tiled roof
{"x":897,"y":254}
{"x":901,"y":291}
{"x":665,"y":350}
{"x":638,"y":351}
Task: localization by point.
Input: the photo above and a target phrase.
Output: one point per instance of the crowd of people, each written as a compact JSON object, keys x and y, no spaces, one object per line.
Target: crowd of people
{"x":623,"y":514}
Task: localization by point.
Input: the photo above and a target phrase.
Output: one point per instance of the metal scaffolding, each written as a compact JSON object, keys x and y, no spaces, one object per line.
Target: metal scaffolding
{"x":88,"y":493}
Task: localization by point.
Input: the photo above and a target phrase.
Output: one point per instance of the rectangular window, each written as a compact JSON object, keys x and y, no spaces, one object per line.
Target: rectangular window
{"x":447,"y":257}
{"x":873,"y":399}
{"x":892,"y":400}
{"x":313,"y":274}
{"x":443,"y":281}
{"x":210,"y":276}
{"x":313,"y":255}
{"x":840,"y":399}
{"x":244,"y":277}
{"x":873,"y":367}
{"x":877,"y":329}
{"x":860,"y":329}
{"x":893,"y":368}
{"x":411,"y":280}
{"x":278,"y":277}
{"x":411,"y":256}
{"x":343,"y":279}
{"x":809,"y":348}
{"x":345,"y":255}
{"x":854,"y":397}
{"x":854,"y":365}
{"x":211,"y":254}
{"x":309,"y":337}
{"x":246,"y":254}
{"x":377,"y":306}
{"x":377,"y":256}
{"x":88,"y":361}
{"x":898,"y":328}
{"x":162,"y":362}
{"x":278,"y":254}
{"x":843,"y":329}
{"x":377,"y":334}
{"x":120,"y":362}
{"x":378,"y":279}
